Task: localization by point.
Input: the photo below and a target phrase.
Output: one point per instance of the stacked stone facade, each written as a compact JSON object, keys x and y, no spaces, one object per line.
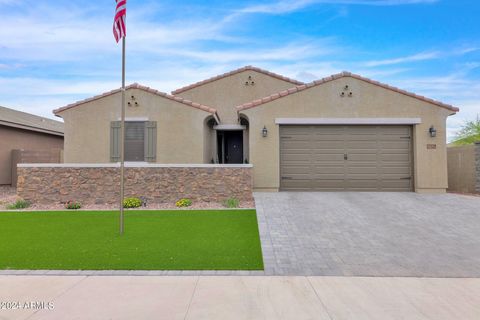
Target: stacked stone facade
{"x":162,"y":184}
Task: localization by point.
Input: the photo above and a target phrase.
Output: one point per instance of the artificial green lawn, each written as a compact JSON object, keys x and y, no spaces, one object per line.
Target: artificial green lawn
{"x":153,"y":240}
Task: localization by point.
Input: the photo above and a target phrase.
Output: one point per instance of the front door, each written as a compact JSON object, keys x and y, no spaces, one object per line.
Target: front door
{"x":230,"y":147}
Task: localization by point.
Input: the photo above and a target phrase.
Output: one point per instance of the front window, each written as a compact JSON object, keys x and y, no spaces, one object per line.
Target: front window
{"x":135,"y":141}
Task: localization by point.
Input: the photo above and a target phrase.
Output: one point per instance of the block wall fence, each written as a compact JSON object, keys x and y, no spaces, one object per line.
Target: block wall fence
{"x":464,"y":168}
{"x":100,"y":184}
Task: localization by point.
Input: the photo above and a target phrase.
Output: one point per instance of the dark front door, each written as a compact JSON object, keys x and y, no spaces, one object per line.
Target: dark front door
{"x":230,"y":147}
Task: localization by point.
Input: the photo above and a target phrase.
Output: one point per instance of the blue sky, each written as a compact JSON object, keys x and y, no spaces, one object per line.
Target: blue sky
{"x":53,"y":53}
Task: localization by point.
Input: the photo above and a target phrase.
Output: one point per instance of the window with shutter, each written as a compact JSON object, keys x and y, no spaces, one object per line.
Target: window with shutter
{"x":135,"y":141}
{"x":140,"y":141}
{"x":115,"y":129}
{"x":151,"y":141}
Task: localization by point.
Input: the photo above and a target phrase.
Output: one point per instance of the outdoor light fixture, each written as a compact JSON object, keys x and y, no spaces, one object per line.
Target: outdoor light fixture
{"x":432,"y":131}
{"x":264,"y":132}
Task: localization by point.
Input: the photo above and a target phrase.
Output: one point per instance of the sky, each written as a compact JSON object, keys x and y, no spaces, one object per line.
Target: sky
{"x":55,"y":52}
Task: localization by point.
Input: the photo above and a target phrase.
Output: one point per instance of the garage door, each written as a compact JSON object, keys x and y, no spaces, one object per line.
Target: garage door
{"x":346,"y":158}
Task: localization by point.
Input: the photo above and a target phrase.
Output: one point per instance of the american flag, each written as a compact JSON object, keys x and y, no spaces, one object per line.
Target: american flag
{"x":119,"y":25}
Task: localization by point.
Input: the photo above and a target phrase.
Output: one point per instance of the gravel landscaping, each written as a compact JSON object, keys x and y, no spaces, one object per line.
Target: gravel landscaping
{"x":8,"y":196}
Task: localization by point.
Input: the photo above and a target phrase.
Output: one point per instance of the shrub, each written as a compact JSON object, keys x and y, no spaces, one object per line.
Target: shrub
{"x":19,"y":204}
{"x":132,"y":203}
{"x":231,"y":203}
{"x":72,"y":205}
{"x":182,"y":203}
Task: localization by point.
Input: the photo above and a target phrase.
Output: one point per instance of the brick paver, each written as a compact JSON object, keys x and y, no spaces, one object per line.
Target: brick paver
{"x":370,"y":234}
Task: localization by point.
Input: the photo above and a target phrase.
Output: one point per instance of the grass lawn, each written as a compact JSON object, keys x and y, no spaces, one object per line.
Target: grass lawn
{"x":153,"y":240}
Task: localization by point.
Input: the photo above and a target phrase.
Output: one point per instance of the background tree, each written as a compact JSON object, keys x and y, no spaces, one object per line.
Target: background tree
{"x":469,"y":133}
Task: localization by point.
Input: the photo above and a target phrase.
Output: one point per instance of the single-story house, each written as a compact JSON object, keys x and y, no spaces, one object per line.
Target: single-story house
{"x":24,"y":131}
{"x":343,"y":132}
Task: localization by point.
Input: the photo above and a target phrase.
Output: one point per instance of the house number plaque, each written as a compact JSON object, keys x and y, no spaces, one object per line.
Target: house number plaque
{"x":431,"y":146}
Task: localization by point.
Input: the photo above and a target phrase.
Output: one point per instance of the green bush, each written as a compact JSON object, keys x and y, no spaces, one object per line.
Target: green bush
{"x":73,"y":205}
{"x":231,"y":203}
{"x":129,"y":203}
{"x":182,"y":203}
{"x":19,"y":204}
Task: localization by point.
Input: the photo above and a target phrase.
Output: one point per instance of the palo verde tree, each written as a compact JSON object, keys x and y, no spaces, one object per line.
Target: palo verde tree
{"x":469,"y":133}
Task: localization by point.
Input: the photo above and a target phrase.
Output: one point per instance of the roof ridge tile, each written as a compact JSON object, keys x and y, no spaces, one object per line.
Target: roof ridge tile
{"x":233,"y":72}
{"x":139,"y":87}
{"x":321,"y":81}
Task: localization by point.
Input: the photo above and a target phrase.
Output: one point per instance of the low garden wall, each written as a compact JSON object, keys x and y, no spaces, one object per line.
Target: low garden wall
{"x":100,"y":184}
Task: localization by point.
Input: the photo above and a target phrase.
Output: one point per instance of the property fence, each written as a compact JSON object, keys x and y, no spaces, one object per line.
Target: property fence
{"x":34,"y":156}
{"x":464,"y":168}
{"x":99,"y":183}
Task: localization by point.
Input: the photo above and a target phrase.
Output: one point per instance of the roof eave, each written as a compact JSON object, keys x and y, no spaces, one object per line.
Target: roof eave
{"x":316,"y":83}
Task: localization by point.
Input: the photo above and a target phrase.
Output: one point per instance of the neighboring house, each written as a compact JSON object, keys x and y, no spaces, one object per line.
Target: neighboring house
{"x":344,"y":132}
{"x":24,"y":131}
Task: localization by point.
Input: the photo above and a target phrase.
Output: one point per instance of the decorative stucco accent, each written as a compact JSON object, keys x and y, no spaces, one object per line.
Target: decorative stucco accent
{"x":100,"y":185}
{"x":228,"y":74}
{"x":353,"y":121}
{"x":303,"y":87}
{"x":139,"y":87}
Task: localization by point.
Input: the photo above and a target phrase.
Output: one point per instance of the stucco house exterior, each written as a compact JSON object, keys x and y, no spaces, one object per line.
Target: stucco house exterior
{"x":341,"y":133}
{"x":42,"y":137}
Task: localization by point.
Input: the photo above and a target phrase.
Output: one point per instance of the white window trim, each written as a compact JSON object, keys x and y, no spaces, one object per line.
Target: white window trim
{"x":133,"y":119}
{"x":346,"y":121}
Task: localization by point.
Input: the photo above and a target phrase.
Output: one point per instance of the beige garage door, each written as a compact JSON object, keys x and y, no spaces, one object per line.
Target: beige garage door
{"x":346,"y":158}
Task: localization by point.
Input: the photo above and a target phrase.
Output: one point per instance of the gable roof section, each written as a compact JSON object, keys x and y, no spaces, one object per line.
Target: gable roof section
{"x":303,"y":87}
{"x":31,"y":122}
{"x":231,"y":73}
{"x":139,"y":87}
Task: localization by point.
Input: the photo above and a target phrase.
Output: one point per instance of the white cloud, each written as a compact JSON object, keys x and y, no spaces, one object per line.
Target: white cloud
{"x":416,"y":57}
{"x":286,"y":6}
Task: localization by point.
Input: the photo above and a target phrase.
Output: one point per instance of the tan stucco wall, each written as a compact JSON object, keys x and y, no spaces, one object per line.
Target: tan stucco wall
{"x":13,"y":138}
{"x":180,"y":128}
{"x":226,"y":93}
{"x":368,"y":101}
{"x":462,"y":173}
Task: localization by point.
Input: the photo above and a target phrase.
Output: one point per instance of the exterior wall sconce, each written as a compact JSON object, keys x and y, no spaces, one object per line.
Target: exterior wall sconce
{"x":432,"y":131}
{"x":264,"y":132}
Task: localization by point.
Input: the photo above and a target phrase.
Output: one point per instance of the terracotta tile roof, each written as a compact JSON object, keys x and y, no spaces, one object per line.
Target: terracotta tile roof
{"x":140,"y":87}
{"x":247,"y":68}
{"x":299,"y":88}
{"x":27,"y":121}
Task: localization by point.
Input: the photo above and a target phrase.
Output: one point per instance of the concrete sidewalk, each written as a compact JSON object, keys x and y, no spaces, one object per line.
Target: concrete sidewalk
{"x":111,"y":297}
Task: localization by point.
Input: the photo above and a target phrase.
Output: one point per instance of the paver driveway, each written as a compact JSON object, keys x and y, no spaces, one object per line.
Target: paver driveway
{"x":370,"y":234}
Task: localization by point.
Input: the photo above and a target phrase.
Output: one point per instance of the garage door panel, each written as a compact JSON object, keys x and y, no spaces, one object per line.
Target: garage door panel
{"x":297,"y":172}
{"x":352,"y":157}
{"x":362,"y":170}
{"x":378,"y":158}
{"x":326,"y":130}
{"x":320,"y":145}
{"x":317,"y":170}
{"x":296,"y":145}
{"x":398,"y":157}
{"x":405,"y":171}
{"x":295,"y":157}
{"x":336,"y":157}
{"x":329,"y":184}
{"x":361,"y":144}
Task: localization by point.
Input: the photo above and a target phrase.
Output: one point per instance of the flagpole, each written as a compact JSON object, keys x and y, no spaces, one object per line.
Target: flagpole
{"x":122,"y":143}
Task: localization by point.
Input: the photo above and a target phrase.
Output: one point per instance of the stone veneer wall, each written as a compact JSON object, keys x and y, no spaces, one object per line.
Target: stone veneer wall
{"x":99,"y":184}
{"x":477,"y":165}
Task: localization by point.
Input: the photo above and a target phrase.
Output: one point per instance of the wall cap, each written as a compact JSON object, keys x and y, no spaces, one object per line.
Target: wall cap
{"x":129,"y":165}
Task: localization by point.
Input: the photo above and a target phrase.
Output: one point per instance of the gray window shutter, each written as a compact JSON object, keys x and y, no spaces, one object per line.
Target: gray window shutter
{"x":115,"y":129}
{"x":151,"y":141}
